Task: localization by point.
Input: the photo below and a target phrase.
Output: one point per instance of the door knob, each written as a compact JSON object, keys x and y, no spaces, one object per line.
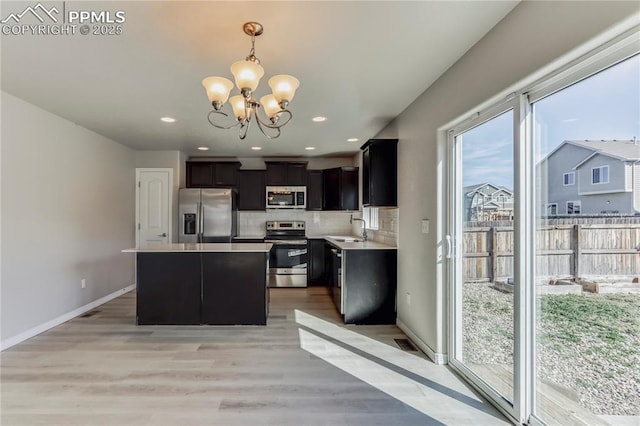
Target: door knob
{"x":164,"y":234}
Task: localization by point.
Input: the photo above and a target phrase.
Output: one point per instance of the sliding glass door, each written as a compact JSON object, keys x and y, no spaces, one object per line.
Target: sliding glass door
{"x":587,"y":204}
{"x":544,"y":234}
{"x":484,"y":244}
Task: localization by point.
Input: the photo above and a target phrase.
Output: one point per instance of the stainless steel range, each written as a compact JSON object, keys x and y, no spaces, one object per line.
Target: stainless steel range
{"x":288,"y":257}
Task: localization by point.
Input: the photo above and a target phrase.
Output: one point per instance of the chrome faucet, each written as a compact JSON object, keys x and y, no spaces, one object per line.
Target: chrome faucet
{"x":364,"y":226}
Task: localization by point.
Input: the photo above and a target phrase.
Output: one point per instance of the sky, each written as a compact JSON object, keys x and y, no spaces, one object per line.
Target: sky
{"x":603,"y":106}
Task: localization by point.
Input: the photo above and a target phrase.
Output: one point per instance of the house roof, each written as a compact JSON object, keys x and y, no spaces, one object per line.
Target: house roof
{"x":624,"y":150}
{"x":468,"y":190}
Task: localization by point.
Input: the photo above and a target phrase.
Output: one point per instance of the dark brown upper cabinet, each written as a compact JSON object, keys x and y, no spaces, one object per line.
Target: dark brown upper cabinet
{"x":211,"y":174}
{"x":314,"y":189}
{"x":251,"y":190}
{"x":284,"y":173}
{"x":340,"y":188}
{"x":380,"y":173}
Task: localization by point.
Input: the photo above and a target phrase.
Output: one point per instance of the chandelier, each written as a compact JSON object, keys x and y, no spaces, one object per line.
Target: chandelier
{"x":247,"y":76}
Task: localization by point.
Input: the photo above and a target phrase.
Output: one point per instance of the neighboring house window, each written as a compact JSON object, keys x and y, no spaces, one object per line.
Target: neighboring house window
{"x":600,"y":175}
{"x":569,"y":178}
{"x":552,"y":209}
{"x":574,"y":207}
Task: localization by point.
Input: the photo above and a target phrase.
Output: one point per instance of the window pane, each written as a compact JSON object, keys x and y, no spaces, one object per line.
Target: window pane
{"x":588,"y":313}
{"x":487,"y":278}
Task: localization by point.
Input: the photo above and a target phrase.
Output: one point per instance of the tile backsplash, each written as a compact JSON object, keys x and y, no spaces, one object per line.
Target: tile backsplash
{"x":387,"y":231}
{"x":318,"y":223}
{"x":323,"y":223}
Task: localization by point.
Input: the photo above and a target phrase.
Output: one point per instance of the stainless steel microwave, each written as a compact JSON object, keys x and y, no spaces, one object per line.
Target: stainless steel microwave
{"x":286,"y":197}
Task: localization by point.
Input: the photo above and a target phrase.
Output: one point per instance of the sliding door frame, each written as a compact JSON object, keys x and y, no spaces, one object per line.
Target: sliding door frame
{"x":523,"y":408}
{"x":456,"y":230}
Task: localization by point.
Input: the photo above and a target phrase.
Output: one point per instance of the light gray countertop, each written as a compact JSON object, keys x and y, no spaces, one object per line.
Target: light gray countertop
{"x":203,"y":248}
{"x":360,"y":245}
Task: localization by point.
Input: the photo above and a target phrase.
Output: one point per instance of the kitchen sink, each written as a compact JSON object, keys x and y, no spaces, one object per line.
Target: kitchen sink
{"x":345,"y":239}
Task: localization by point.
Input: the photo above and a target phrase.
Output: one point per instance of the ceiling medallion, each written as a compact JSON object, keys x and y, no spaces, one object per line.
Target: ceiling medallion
{"x":247,"y":76}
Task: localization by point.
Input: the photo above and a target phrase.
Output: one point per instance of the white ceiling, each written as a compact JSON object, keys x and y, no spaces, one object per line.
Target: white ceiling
{"x":359,"y":63}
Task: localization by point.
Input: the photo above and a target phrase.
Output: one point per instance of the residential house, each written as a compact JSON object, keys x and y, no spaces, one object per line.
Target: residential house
{"x":591,"y":177}
{"x":487,"y":202}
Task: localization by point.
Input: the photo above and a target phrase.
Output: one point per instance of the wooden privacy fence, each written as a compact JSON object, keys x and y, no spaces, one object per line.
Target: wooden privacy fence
{"x":568,"y":250}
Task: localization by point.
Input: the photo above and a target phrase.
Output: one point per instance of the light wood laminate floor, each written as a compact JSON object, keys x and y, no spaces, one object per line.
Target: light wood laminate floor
{"x":303,"y":368}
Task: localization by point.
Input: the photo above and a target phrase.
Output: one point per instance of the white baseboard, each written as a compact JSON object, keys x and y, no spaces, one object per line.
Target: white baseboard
{"x":12,"y":341}
{"x":438,"y":358}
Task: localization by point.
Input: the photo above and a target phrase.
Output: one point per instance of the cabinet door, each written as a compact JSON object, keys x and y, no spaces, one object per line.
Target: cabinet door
{"x":331,"y":189}
{"x":316,"y":262}
{"x":349,"y":189}
{"x":340,"y":189}
{"x":370,"y":285}
{"x":168,"y":290}
{"x":380,"y":173}
{"x":226,"y":174}
{"x":277,"y":174}
{"x":234,"y":288}
{"x":366,"y":167}
{"x":251,"y":190}
{"x":200,"y":174}
{"x":297,"y":174}
{"x":314,"y":190}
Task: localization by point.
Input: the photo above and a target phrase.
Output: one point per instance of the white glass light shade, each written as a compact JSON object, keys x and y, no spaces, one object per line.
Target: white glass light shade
{"x":270,"y":105}
{"x":247,"y":74}
{"x":283,"y":87}
{"x":237,"y":103}
{"x":217,"y":88}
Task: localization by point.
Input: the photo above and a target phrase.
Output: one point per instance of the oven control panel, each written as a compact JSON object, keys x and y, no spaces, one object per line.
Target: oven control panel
{"x":283,"y":225}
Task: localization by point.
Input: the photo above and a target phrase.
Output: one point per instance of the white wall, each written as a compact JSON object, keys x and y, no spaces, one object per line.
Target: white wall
{"x":166,"y":159}
{"x":67,"y":212}
{"x":533,"y":35}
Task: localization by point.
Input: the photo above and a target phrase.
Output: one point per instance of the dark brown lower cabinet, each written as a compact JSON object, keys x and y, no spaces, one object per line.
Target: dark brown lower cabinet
{"x":316,"y":269}
{"x":219,"y":288}
{"x":168,"y":288}
{"x":369,"y":286}
{"x":234,"y":288}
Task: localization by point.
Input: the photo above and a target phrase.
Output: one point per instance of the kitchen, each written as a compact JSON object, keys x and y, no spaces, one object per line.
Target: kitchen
{"x":80,"y":114}
{"x":307,"y":218}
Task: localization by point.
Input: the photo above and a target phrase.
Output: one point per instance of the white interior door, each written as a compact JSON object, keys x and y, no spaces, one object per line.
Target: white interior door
{"x":153,"y":206}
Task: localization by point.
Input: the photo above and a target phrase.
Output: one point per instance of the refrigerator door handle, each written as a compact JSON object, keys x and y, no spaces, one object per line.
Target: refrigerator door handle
{"x":200,"y":221}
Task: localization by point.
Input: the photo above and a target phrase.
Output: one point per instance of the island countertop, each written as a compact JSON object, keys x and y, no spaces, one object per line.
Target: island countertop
{"x":203,"y":248}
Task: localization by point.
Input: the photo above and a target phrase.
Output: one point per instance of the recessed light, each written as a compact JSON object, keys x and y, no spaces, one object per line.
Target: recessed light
{"x":256,"y":148}
{"x":310,"y":148}
{"x":353,"y":140}
{"x":319,"y":119}
{"x":203,"y":148}
{"x":168,"y":119}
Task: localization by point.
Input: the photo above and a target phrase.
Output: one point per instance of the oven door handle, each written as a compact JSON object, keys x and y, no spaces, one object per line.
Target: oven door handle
{"x":287,"y":242}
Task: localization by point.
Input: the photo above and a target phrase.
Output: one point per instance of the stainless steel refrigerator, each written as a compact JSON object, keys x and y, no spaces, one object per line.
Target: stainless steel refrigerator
{"x":208,"y":215}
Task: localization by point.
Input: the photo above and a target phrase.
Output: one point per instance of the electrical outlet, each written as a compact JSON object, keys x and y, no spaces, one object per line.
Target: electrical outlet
{"x":408,"y":295}
{"x":83,"y":283}
{"x":425,"y":226}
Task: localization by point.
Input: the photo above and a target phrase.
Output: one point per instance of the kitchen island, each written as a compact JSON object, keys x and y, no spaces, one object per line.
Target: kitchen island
{"x":191,"y":284}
